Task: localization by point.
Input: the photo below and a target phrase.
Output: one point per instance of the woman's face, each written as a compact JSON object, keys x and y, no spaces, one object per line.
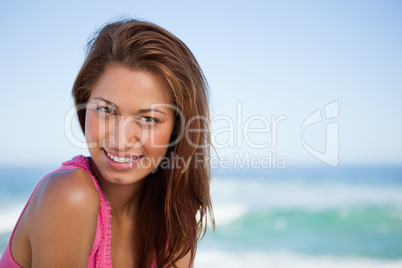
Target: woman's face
{"x":128,"y":125}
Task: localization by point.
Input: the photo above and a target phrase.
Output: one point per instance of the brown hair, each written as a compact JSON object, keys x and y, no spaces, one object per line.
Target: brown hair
{"x":175,"y":201}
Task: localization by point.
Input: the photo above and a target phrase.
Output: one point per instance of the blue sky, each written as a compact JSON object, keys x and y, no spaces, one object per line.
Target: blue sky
{"x":276,"y":57}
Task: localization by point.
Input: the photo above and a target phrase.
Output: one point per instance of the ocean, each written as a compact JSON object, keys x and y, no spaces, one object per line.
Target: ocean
{"x":300,"y":217}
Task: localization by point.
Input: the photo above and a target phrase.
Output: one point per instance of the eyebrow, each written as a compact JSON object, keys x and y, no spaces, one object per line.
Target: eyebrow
{"x":117,"y":107}
{"x":108,"y":102}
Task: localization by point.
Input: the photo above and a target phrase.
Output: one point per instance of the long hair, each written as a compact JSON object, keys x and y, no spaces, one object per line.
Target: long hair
{"x":175,"y":201}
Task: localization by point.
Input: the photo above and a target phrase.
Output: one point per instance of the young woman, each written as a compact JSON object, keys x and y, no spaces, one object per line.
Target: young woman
{"x":142,"y":198}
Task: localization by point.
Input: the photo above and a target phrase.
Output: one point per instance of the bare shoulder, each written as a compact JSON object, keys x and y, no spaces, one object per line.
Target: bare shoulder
{"x":61,"y":219}
{"x":65,"y":191}
{"x":71,"y":187}
{"x":64,"y":195}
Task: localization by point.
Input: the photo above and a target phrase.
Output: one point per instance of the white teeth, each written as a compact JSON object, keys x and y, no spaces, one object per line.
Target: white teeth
{"x":122,"y":159}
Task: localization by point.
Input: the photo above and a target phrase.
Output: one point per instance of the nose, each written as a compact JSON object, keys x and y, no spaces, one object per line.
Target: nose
{"x":126,"y":133}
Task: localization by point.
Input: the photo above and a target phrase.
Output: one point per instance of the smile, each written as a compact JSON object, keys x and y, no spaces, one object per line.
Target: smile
{"x":122,"y":159}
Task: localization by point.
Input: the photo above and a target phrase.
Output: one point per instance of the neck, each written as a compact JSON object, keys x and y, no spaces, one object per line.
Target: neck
{"x":123,"y":199}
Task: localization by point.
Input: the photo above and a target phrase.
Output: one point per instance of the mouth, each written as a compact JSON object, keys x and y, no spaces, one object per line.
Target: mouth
{"x":121,"y":161}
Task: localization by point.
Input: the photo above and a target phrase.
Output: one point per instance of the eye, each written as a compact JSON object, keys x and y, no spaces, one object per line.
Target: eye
{"x":106,"y":110}
{"x":149,"y":119}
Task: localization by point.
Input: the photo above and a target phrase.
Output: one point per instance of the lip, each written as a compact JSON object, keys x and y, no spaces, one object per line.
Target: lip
{"x":121,"y":166}
{"x":120,"y":154}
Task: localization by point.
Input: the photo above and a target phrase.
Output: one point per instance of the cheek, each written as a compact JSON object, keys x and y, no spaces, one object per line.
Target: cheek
{"x":94,"y":127}
{"x":160,"y":140}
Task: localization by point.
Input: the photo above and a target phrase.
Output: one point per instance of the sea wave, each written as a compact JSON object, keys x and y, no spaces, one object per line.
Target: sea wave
{"x":244,"y":259}
{"x":269,"y":193}
{"x":365,"y":231}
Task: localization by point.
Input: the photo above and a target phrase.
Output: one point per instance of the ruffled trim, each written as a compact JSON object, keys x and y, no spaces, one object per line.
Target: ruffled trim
{"x":106,"y":259}
{"x":82,"y":162}
{"x":104,"y":252}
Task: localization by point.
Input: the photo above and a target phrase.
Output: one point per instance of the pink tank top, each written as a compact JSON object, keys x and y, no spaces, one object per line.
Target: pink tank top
{"x":100,"y":254}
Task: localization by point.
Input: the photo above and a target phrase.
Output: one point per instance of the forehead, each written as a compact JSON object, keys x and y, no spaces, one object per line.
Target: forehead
{"x":131,"y":88}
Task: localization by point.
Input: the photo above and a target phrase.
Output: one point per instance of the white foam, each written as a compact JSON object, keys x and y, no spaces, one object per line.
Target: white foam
{"x":223,"y":259}
{"x":300,"y":194}
{"x":226,"y":213}
{"x":9,"y":217}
